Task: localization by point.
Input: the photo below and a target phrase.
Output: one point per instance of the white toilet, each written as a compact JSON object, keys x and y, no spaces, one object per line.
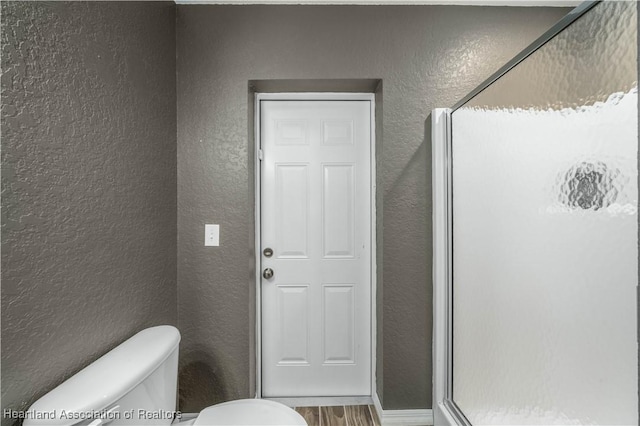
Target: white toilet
{"x":136,"y":384}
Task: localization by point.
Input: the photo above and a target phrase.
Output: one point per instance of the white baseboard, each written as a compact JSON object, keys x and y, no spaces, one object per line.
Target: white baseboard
{"x":324,"y":401}
{"x":402,"y":417}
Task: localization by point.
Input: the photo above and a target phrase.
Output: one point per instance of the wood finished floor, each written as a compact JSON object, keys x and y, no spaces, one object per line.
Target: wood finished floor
{"x":342,"y":415}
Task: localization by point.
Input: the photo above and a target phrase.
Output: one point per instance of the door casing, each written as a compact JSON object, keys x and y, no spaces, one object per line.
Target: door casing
{"x":257,"y":208}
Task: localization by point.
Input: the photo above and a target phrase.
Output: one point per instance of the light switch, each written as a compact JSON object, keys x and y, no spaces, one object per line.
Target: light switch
{"x":211,"y":235}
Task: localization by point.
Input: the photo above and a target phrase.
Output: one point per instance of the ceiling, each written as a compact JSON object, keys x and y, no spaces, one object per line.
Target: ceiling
{"x":544,"y":3}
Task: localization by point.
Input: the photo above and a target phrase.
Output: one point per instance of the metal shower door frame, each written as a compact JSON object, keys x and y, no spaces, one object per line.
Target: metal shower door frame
{"x":445,"y":410}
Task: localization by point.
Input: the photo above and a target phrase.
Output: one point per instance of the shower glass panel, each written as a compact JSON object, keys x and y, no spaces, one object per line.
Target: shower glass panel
{"x":545,"y":233}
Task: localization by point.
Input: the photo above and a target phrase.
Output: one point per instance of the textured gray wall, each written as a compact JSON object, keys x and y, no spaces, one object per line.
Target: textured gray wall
{"x":88,"y":185}
{"x":426,"y":56}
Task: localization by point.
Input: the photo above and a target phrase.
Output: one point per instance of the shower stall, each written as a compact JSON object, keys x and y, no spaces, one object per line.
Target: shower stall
{"x":536,"y":233}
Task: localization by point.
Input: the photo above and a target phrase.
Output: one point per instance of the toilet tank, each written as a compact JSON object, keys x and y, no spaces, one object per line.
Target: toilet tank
{"x":133,"y":384}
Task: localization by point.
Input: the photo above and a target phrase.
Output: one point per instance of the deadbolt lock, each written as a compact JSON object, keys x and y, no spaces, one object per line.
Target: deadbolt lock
{"x":267,"y":252}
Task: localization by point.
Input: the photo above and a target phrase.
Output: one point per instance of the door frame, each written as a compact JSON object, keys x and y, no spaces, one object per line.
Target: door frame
{"x":445,"y":411}
{"x":312,"y":96}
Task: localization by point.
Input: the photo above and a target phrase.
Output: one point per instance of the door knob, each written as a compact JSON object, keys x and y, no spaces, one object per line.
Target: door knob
{"x":268,"y":273}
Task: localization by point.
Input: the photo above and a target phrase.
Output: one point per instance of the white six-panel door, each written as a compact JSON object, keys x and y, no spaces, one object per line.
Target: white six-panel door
{"x":316,"y":217}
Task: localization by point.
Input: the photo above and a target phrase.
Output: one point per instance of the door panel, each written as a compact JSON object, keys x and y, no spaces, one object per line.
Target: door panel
{"x":338,"y":210}
{"x":338,"y":323}
{"x":316,"y":217}
{"x":292,"y":189}
{"x":293,"y":305}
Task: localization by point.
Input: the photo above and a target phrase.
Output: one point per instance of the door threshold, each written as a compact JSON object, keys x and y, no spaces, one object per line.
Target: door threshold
{"x":323,"y":401}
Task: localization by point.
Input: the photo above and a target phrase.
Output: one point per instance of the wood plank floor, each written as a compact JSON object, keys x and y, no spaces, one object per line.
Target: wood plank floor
{"x":349,"y":415}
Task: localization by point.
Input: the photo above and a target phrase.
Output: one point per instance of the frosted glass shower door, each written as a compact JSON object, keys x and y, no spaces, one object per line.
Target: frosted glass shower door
{"x":545,"y":233}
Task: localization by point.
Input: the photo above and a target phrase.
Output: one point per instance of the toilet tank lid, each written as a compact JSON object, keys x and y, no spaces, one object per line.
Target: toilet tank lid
{"x":108,"y":378}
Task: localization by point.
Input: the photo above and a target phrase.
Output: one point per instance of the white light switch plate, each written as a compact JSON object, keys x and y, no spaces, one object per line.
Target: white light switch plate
{"x":211,"y":235}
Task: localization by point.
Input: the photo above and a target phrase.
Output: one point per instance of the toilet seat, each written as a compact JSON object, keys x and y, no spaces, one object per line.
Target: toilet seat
{"x":249,"y":412}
